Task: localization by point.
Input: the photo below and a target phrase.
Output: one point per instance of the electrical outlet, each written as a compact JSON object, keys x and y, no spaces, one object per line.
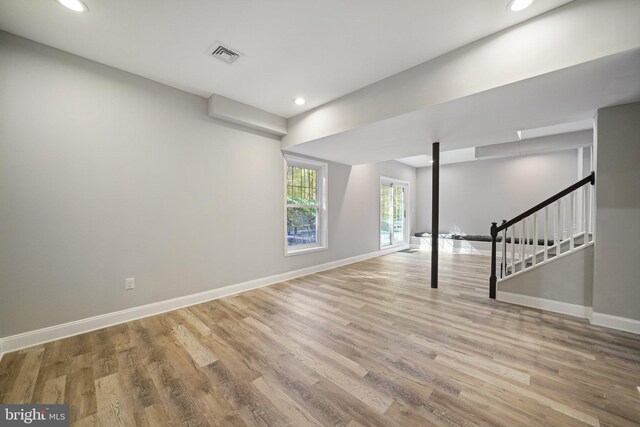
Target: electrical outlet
{"x":130,"y":283}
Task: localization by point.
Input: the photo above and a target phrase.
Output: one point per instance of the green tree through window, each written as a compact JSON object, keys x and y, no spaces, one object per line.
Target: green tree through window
{"x":302,"y":206}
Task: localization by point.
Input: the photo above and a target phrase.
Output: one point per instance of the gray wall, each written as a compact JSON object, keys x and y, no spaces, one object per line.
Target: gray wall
{"x":567,"y":279}
{"x":473,"y":194}
{"x":105,"y":175}
{"x":616,"y":272}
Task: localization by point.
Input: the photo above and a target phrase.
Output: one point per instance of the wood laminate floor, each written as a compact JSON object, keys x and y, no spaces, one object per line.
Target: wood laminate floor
{"x":366,"y":344}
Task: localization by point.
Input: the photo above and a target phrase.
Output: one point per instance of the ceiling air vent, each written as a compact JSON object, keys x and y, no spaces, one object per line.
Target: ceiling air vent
{"x":224,"y":53}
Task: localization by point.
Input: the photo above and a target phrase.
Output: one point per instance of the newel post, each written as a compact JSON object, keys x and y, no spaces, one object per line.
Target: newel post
{"x":493,"y":279}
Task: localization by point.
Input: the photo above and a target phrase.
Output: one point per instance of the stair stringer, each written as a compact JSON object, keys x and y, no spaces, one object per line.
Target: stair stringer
{"x":563,"y":284}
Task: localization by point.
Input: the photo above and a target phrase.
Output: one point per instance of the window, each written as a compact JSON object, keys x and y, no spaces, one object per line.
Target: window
{"x":305,"y":205}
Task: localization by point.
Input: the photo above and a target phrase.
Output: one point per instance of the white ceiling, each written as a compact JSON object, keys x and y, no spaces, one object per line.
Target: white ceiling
{"x":320,"y":50}
{"x":446,"y":157}
{"x":469,"y":154}
{"x":566,"y":96}
{"x":556,"y":129}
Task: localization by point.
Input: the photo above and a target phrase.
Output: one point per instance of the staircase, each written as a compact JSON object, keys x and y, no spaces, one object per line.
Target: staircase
{"x":556,"y":227}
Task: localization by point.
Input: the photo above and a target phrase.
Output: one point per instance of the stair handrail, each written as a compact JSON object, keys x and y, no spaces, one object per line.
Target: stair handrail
{"x":495,"y":228}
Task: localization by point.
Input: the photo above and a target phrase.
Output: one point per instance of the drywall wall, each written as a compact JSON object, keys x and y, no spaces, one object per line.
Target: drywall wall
{"x":567,"y":279}
{"x":616,"y":273}
{"x":473,"y":194}
{"x":105,"y":175}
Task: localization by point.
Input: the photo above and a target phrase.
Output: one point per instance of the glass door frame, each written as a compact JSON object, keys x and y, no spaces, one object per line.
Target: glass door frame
{"x":385,"y":180}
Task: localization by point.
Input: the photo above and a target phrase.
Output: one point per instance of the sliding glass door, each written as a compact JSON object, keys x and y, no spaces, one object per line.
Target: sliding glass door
{"x":393,"y":212}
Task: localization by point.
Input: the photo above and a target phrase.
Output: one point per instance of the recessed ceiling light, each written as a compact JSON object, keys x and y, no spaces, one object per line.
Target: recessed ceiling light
{"x":430,"y":161}
{"x":75,"y":5}
{"x":299,"y":101}
{"x":518,"y":5}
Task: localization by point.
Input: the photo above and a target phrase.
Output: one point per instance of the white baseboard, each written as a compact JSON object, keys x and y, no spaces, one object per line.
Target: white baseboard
{"x":598,"y":319}
{"x":545,"y":304}
{"x":52,"y":333}
{"x":615,"y":322}
{"x":454,"y":250}
{"x":453,"y":246}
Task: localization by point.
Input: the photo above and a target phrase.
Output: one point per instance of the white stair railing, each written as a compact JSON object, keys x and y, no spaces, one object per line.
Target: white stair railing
{"x":523,"y":232}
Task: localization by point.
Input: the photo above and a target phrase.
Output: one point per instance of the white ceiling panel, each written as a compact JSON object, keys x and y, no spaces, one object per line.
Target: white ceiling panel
{"x":319,"y":50}
{"x":571,"y":95}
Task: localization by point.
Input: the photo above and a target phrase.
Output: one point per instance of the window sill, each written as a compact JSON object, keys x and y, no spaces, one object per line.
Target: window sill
{"x":292,"y":252}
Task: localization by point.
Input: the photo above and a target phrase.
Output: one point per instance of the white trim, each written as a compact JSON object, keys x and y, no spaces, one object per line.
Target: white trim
{"x":390,"y":180}
{"x":303,"y":162}
{"x":51,"y":333}
{"x":305,"y":249}
{"x":615,"y":322}
{"x":545,"y":304}
{"x":398,"y":246}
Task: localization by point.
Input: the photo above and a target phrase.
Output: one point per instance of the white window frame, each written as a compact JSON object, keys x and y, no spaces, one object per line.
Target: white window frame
{"x":322,"y":172}
{"x":407,"y":209}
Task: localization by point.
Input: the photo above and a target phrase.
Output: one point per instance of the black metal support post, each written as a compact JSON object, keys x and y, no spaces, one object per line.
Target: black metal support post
{"x":435,"y":212}
{"x":493,"y":279}
{"x":503,"y":253}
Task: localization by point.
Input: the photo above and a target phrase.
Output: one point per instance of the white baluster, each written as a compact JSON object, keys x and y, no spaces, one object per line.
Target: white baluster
{"x":527,"y":229}
{"x":587,"y":226}
{"x":546,"y":230}
{"x":556,"y":230}
{"x":513,"y":249}
{"x":592,"y":207}
{"x":556,"y":226}
{"x":563,"y":229}
{"x":575,"y":211}
{"x":572,"y":200}
{"x":522,"y":237}
{"x":584,"y":213}
{"x":535,"y":238}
